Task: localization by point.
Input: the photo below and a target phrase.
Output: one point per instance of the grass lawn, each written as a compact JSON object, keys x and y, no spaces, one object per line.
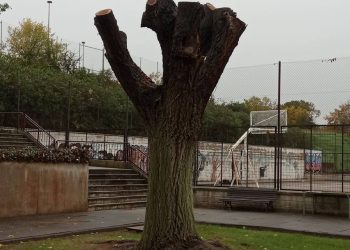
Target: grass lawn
{"x":236,"y":238}
{"x":332,"y":144}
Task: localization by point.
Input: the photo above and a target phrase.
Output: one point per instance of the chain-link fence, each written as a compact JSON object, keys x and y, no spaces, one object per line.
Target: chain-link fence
{"x":308,"y":158}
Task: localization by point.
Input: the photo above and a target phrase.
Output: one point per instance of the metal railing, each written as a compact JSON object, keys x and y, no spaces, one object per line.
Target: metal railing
{"x":23,"y":123}
{"x":118,"y":151}
{"x":99,"y":150}
{"x":139,"y":158}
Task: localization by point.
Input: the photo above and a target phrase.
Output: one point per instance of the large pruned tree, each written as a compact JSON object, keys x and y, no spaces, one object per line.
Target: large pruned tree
{"x":196,"y":41}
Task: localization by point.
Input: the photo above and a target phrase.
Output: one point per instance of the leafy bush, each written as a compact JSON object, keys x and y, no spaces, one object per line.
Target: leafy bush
{"x":75,"y":155}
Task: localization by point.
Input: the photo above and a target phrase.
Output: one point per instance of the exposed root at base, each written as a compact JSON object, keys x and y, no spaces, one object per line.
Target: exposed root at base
{"x":190,"y":245}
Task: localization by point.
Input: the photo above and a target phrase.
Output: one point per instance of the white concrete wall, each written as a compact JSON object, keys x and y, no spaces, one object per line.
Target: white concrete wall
{"x":209,"y":159}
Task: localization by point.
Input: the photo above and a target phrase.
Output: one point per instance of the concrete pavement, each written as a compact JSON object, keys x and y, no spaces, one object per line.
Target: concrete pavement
{"x":37,"y":227}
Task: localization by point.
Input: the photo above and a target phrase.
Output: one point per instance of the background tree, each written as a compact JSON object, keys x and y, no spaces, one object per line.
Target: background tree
{"x":224,"y":122}
{"x":31,"y":43}
{"x":97,"y":100}
{"x":196,"y":41}
{"x":259,"y":104}
{"x":301,"y":112}
{"x":340,"y":115}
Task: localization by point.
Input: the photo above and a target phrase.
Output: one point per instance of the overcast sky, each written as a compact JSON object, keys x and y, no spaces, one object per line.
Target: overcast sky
{"x":286,"y":30}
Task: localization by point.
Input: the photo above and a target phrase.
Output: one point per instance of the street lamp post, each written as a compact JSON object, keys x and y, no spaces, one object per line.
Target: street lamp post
{"x":1,"y":33}
{"x":48,"y":28}
{"x":83,"y":54}
{"x":68,"y":114}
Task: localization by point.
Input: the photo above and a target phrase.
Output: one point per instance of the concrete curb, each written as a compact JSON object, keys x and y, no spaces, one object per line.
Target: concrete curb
{"x":69,"y":233}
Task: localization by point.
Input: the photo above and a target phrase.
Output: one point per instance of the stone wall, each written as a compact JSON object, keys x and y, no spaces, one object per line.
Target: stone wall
{"x":42,"y":188}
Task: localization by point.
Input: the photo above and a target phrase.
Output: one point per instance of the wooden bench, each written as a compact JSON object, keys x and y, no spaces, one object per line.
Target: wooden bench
{"x":244,"y":195}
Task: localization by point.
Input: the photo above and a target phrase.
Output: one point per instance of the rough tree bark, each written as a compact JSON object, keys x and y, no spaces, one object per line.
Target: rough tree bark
{"x":196,"y":41}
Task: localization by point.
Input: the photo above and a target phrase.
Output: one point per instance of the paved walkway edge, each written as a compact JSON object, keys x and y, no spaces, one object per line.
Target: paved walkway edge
{"x":70,"y":233}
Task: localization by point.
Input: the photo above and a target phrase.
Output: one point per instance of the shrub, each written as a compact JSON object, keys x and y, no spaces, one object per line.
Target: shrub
{"x":75,"y":155}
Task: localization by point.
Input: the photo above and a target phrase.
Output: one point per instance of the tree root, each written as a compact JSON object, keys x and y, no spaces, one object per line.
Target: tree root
{"x":189,"y":245}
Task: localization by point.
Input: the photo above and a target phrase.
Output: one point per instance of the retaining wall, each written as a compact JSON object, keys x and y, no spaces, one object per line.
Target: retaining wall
{"x":319,"y":203}
{"x":42,"y":188}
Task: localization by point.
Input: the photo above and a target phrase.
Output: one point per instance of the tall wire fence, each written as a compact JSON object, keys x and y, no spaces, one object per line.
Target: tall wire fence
{"x":310,"y":156}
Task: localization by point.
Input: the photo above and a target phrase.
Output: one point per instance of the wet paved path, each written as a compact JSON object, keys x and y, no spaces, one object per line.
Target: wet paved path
{"x":36,"y":227}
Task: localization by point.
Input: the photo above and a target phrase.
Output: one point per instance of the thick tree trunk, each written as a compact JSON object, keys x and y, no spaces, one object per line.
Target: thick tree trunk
{"x":197,"y":42}
{"x":169,"y":217}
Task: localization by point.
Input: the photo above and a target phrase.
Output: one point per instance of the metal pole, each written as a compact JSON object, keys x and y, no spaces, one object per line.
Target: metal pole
{"x":310,"y":158}
{"x":275,"y":165}
{"x":48,"y":19}
{"x":18,"y":92}
{"x":68,"y":116}
{"x":222,"y":158}
{"x":140,"y":63}
{"x":197,"y":163}
{"x":342,"y":158}
{"x":127,"y":114}
{"x":279,"y":127}
{"x":83,"y":54}
{"x":79,"y":56}
{"x":19,"y":99}
{"x":247,"y":159}
{"x":48,"y":28}
{"x":194,"y":174}
{"x":103,"y":59}
{"x":1,"y":34}
{"x":157,"y":68}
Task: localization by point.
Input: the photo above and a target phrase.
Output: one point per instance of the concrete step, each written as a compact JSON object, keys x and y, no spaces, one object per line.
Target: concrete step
{"x":117,"y":181}
{"x":17,"y":146}
{"x":93,"y":188}
{"x":114,"y":193}
{"x":14,"y":139}
{"x":113,"y":176}
{"x":17,"y":142}
{"x":132,"y":204}
{"x":9,"y":134}
{"x":116,"y":199}
{"x":111,"y":171}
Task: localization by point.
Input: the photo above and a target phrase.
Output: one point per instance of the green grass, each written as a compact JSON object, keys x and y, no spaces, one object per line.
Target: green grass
{"x":244,"y":239}
{"x":236,"y":238}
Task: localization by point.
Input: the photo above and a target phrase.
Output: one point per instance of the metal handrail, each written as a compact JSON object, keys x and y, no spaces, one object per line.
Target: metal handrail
{"x":21,"y":125}
{"x":139,"y":159}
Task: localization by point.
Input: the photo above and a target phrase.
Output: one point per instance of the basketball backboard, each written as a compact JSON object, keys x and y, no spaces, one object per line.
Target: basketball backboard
{"x":267,"y":121}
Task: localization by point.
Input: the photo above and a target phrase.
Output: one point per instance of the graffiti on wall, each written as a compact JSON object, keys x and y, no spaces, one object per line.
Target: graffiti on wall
{"x":313,"y":161}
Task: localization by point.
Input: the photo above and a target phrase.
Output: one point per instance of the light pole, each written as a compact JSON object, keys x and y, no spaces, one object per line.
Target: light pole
{"x":48,"y":28}
{"x":83,"y":54}
{"x":68,"y":114}
{"x":1,"y":34}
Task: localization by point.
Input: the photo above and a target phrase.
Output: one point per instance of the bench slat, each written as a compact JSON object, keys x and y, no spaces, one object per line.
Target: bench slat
{"x":239,"y":195}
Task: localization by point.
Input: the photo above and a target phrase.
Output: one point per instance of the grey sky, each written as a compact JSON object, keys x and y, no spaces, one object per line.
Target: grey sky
{"x":286,"y":30}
